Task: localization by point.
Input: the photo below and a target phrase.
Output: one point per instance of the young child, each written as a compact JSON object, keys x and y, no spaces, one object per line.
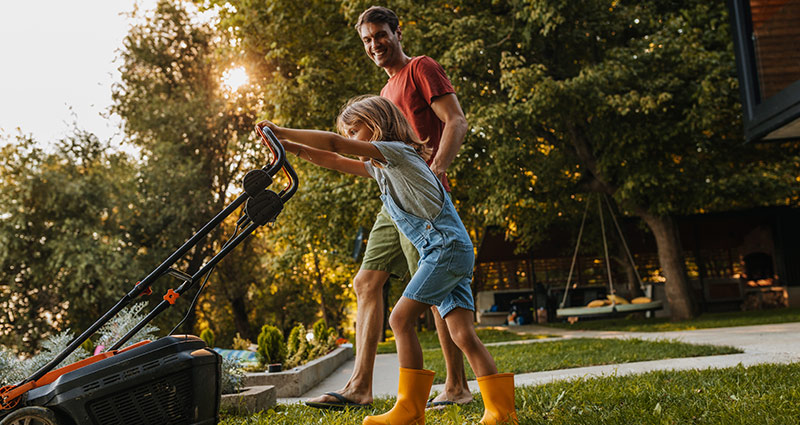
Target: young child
{"x":374,"y":130}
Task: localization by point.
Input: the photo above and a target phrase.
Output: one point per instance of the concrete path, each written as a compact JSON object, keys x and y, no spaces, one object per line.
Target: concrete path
{"x":778,"y":343}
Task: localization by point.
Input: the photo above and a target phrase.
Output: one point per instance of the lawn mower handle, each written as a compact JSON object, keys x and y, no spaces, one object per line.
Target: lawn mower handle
{"x":279,"y":160}
{"x":268,"y":210}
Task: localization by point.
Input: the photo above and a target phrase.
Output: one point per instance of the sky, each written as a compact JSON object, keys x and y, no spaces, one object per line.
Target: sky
{"x":57,"y":65}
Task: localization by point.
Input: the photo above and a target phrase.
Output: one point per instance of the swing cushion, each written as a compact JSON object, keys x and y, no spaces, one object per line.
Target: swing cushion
{"x":598,"y":303}
{"x":641,"y":300}
{"x":617,"y":299}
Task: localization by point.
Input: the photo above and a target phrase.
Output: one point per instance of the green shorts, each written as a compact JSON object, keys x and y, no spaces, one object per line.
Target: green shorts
{"x":389,"y":250}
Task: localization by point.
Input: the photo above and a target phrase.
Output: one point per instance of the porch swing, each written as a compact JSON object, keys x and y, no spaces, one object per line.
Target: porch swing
{"x":615,"y":307}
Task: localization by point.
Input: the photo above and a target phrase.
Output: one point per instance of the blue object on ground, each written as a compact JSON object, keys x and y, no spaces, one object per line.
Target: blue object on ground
{"x":242,"y":356}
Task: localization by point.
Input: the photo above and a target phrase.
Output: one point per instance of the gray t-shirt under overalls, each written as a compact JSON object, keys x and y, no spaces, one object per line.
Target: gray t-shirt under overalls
{"x":417,"y":203}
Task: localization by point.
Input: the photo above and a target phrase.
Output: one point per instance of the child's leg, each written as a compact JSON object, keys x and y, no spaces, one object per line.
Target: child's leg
{"x":414,"y":383}
{"x":403,"y":322}
{"x":459,"y":322}
{"x":497,"y":389}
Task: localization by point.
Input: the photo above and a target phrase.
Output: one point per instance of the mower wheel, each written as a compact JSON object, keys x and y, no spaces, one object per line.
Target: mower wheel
{"x":31,"y":415}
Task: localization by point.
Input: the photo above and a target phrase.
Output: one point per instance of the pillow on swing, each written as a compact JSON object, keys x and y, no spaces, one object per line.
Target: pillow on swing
{"x":617,"y":299}
{"x":641,"y":300}
{"x":598,"y":303}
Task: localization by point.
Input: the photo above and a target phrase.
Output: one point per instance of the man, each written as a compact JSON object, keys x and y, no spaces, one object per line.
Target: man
{"x":420,"y":88}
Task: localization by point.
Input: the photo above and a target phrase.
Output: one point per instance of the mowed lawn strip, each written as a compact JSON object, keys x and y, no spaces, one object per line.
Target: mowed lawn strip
{"x":756,"y":395}
{"x":705,"y":321}
{"x":579,"y":352}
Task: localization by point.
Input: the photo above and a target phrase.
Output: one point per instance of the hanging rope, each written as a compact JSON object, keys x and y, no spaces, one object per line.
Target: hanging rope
{"x":605,"y":250}
{"x":575,"y":255}
{"x":625,"y":244}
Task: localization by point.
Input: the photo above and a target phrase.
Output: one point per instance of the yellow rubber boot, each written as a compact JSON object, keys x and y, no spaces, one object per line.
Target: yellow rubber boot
{"x":498,"y":399}
{"x":412,"y":395}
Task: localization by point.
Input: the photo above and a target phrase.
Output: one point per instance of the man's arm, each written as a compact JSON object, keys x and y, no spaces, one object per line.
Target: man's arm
{"x":448,"y":110}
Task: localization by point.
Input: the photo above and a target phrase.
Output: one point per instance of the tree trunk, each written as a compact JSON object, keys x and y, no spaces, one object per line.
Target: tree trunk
{"x":670,"y":256}
{"x":320,"y":287}
{"x":240,"y":317}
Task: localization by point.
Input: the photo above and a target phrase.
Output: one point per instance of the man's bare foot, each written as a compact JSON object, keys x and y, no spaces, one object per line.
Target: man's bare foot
{"x":445,"y":399}
{"x":339,"y":400}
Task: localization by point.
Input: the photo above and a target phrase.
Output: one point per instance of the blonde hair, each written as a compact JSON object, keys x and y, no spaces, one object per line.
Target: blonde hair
{"x":384,"y":119}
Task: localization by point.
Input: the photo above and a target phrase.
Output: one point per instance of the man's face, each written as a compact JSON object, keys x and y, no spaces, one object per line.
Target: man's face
{"x":381,"y":44}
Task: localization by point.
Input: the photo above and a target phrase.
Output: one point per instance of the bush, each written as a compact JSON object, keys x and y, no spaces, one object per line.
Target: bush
{"x":123,"y":322}
{"x":300,"y":350}
{"x":240,"y":343}
{"x":14,"y":369}
{"x":232,"y":376}
{"x":208,"y":336}
{"x":321,"y":331}
{"x":296,"y":347}
{"x":324,"y":340}
{"x":271,"y":348}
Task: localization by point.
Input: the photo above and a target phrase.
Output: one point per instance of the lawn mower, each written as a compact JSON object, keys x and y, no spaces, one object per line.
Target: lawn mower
{"x":172,"y":380}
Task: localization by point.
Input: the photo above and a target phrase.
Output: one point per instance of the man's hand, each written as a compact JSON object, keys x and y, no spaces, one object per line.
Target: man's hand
{"x":438,"y":170}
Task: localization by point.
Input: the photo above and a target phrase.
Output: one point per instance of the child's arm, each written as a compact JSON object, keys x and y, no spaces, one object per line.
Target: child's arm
{"x":326,"y":141}
{"x":326,"y":159}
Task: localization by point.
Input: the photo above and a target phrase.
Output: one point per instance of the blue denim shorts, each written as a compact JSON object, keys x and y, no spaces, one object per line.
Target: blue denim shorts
{"x":444,"y":277}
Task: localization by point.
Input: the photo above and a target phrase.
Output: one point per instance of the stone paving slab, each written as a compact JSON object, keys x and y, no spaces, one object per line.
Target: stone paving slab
{"x":775,"y":343}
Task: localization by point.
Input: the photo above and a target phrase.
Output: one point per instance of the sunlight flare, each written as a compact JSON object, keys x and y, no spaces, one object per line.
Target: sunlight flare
{"x":234,"y":78}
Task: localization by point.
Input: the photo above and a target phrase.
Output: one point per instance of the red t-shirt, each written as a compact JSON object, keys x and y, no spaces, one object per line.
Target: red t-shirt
{"x":412,"y":89}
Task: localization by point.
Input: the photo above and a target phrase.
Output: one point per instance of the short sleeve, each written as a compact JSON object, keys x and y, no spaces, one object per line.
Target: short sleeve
{"x":395,"y":153}
{"x":431,"y":79}
{"x":370,"y":169}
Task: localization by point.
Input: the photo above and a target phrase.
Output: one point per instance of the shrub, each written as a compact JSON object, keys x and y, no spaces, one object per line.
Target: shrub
{"x":296,"y":346}
{"x":15,"y":369}
{"x":208,"y":336}
{"x":300,"y":350}
{"x":240,"y":343}
{"x":320,"y":330}
{"x":232,"y":376}
{"x":271,"y":348}
{"x":123,"y":322}
{"x":322,"y":342}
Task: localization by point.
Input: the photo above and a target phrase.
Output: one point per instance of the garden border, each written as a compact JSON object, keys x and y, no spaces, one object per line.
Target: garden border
{"x":250,"y":400}
{"x":297,"y":381}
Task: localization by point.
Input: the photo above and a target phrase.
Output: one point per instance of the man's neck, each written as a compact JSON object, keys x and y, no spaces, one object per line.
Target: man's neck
{"x":395,"y":68}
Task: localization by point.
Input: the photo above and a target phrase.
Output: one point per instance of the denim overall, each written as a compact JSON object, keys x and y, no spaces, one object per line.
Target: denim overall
{"x":446,"y":256}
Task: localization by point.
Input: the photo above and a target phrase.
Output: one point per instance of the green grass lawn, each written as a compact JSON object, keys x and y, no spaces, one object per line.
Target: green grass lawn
{"x":765,"y":394}
{"x":708,"y":320}
{"x":570,"y":353}
{"x":429,"y":339}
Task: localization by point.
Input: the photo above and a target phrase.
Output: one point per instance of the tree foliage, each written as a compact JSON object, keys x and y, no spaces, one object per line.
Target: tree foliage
{"x":64,"y":229}
{"x":196,"y":138}
{"x":638,"y":101}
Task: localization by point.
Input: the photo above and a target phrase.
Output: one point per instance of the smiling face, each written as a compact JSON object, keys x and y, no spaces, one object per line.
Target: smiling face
{"x":383,"y":46}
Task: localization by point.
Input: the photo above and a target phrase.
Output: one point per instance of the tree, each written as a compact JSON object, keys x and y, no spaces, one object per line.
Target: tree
{"x":303,"y":84}
{"x":195,"y":137}
{"x":64,"y":229}
{"x":637,"y":101}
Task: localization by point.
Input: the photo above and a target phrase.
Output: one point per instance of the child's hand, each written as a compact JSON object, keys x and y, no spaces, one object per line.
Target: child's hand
{"x":269,"y":124}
